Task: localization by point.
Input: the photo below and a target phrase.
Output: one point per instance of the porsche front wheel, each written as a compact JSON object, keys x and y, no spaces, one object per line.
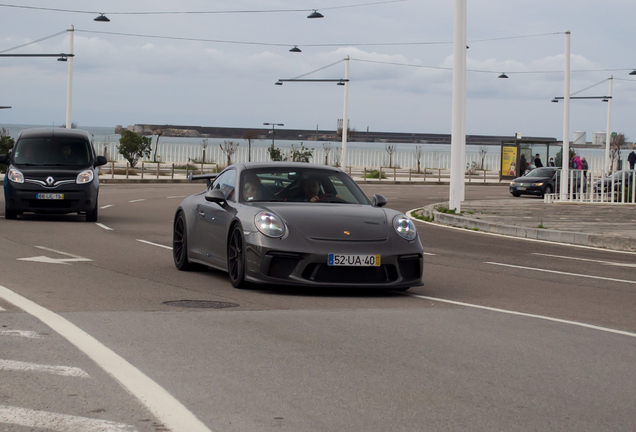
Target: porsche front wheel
{"x":180,"y":244}
{"x":236,"y":258}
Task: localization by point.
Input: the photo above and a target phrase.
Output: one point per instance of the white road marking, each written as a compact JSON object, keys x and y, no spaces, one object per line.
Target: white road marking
{"x":176,"y":196}
{"x":509,"y":312}
{"x":48,"y":260}
{"x":18,"y":366}
{"x":588,"y":260}
{"x":563,"y":273}
{"x":21,"y":333}
{"x":155,"y":244}
{"x":58,"y":422}
{"x":428,"y":253}
{"x":162,"y":404}
{"x":2,"y":310}
{"x":106,"y":206}
{"x":104,"y":226}
{"x":137,"y":200}
{"x":409,"y":214}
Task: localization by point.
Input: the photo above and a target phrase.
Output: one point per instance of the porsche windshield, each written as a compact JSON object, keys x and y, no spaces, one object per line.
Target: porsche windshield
{"x":52,"y":151}
{"x":300,"y":185}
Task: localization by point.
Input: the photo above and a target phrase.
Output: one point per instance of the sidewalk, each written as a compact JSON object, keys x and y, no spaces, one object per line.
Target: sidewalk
{"x":606,"y":226}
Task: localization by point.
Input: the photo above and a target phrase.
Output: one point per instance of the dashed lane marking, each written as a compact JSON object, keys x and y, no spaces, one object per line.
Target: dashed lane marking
{"x":21,"y":333}
{"x":18,"y":366}
{"x":542,"y":317}
{"x":106,"y":206}
{"x":588,"y":260}
{"x":428,"y":253}
{"x":176,"y":196}
{"x":155,"y":244}
{"x":168,"y":410}
{"x":58,"y":422}
{"x":137,"y":200}
{"x":104,"y":226}
{"x":563,"y":273}
{"x":2,"y":310}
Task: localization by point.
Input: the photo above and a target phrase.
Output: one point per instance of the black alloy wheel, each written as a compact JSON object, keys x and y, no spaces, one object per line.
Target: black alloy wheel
{"x":547,"y":190}
{"x":180,"y":244}
{"x":236,"y":258}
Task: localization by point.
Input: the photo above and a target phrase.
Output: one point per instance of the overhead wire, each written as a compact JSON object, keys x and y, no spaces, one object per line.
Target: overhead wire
{"x":33,"y":42}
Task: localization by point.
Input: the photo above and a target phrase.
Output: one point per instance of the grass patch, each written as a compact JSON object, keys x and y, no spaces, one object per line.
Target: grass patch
{"x":422,"y":217}
{"x":540,"y":226}
{"x":446,"y":210}
{"x":375,"y":174}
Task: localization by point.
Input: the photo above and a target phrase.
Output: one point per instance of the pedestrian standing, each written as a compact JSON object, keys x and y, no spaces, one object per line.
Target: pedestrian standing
{"x":523,"y":164}
{"x":584,"y":167}
{"x":551,"y":163}
{"x":632,"y":160}
{"x":537,"y":161}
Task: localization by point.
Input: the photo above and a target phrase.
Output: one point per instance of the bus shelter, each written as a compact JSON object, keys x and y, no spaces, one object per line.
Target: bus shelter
{"x":518,"y":155}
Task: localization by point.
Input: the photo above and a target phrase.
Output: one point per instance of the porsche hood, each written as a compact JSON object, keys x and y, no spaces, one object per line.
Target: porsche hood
{"x":334,"y":222}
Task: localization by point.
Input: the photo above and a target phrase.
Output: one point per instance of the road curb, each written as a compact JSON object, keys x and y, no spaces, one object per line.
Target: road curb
{"x":568,"y":237}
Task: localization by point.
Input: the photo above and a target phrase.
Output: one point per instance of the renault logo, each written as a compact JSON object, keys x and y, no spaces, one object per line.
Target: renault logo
{"x":50,"y":180}
{"x":347,"y":232}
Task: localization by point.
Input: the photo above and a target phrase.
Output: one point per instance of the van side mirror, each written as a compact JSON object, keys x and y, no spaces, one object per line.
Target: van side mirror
{"x":4,"y":159}
{"x":379,"y":200}
{"x":100,"y":160}
{"x":216,"y":196}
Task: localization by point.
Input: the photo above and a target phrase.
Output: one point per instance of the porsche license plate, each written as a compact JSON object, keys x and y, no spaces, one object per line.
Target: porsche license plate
{"x":49,"y":196}
{"x":354,"y":260}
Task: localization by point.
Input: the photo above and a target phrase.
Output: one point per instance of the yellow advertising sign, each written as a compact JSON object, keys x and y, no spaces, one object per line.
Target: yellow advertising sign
{"x":509,"y":161}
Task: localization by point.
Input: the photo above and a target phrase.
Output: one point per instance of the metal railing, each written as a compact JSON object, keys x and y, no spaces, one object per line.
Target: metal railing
{"x":591,"y":187}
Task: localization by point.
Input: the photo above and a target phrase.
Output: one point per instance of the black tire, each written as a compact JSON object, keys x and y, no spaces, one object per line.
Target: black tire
{"x":516,"y":194}
{"x":236,"y":258}
{"x":547,"y":190}
{"x":180,"y":244}
{"x":91,"y":216}
{"x":10,"y":214}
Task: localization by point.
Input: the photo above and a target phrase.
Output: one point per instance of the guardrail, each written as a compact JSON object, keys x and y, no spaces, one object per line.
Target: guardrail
{"x":585,"y":187}
{"x":155,"y":170}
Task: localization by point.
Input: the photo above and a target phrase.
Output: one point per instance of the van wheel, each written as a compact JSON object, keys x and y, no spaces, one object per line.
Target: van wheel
{"x":91,"y":216}
{"x":10,"y":214}
{"x":516,"y":194}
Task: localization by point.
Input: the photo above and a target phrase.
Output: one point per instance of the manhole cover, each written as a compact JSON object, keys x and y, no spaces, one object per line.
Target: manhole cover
{"x":203,"y":304}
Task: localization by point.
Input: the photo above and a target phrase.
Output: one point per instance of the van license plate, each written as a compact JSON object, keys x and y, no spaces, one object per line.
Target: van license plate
{"x":49,"y":196}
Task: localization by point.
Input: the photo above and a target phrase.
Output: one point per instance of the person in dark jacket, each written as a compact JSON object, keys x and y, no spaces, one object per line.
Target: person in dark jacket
{"x":632,"y":160}
{"x":537,"y":161}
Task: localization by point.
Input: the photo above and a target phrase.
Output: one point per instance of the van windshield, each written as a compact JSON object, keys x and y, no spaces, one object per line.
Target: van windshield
{"x":52,"y":151}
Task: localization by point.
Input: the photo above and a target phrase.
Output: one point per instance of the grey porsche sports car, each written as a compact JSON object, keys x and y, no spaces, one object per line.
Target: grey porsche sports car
{"x":296,"y":224}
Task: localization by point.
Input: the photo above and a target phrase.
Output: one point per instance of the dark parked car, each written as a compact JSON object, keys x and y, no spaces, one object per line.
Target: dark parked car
{"x":296,"y":224}
{"x":52,"y":170}
{"x":617,"y":179}
{"x":539,"y":181}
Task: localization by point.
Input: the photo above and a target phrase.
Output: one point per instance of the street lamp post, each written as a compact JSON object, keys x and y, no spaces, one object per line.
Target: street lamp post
{"x":69,"y":86}
{"x":565,"y":158}
{"x":273,"y":125}
{"x":345,"y":119}
{"x":608,"y":132}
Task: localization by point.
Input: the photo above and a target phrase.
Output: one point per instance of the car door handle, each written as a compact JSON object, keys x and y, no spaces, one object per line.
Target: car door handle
{"x":201,"y":213}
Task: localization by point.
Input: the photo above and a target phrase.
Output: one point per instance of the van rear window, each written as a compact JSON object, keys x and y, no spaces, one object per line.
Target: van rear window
{"x":52,"y":151}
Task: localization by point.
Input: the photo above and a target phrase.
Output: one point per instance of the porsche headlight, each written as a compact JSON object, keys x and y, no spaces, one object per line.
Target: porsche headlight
{"x":269,"y":224}
{"x":85,"y":177}
{"x":404,"y":227}
{"x":15,"y":175}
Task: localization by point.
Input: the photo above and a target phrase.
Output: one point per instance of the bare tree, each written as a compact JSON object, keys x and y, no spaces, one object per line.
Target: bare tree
{"x":229,"y":148}
{"x":204,"y":144}
{"x":159,"y":133}
{"x":350,"y":132}
{"x":390,"y":149}
{"x":337,"y":152}
{"x":249,"y":136}
{"x":482,"y":156}
{"x":327,"y":148}
{"x":418,"y":157}
{"x":616,"y":143}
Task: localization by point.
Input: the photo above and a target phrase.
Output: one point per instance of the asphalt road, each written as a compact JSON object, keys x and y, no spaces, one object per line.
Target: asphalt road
{"x":448,"y":356}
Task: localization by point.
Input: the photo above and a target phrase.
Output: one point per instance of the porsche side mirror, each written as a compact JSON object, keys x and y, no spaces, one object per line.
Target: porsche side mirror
{"x":100,"y":160}
{"x":4,"y":159}
{"x":216,"y":196}
{"x":379,"y":200}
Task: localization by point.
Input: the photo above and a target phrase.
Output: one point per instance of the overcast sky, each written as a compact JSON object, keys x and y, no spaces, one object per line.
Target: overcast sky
{"x":127,"y":80}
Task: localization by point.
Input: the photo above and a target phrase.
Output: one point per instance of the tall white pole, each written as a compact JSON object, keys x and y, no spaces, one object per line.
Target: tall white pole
{"x":69,"y":83}
{"x":345,"y":119}
{"x":458,"y":135}
{"x":608,"y":132}
{"x":565,"y":158}
{"x":462,"y":182}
